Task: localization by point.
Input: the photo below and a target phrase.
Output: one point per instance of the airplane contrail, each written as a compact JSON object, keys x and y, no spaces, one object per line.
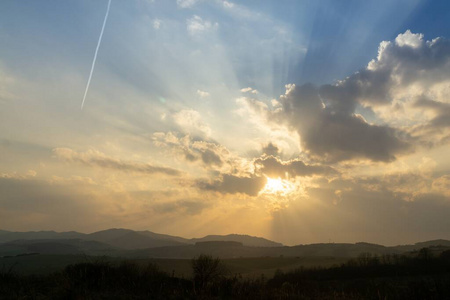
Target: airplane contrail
{"x":95,"y":55}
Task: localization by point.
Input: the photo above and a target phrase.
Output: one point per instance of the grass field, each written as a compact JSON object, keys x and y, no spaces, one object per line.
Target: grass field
{"x":245,"y":267}
{"x":422,"y":275}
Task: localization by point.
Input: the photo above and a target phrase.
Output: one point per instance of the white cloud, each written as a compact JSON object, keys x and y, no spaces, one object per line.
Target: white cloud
{"x":202,"y":94}
{"x":406,"y":86}
{"x":210,"y":155}
{"x":249,"y":90}
{"x":227,"y":4}
{"x":29,"y":174}
{"x":442,"y":185}
{"x":413,"y":40}
{"x":93,"y":158}
{"x":197,"y":25}
{"x":186,"y":3}
{"x":190,"y":121}
{"x":156,"y":23}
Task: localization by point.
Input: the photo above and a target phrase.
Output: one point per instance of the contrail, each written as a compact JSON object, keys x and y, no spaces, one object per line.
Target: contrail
{"x":95,"y":55}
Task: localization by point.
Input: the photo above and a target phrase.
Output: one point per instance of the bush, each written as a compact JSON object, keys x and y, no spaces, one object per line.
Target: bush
{"x":207,"y":271}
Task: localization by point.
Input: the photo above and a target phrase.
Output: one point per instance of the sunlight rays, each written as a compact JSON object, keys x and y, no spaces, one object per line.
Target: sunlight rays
{"x":278,"y":186}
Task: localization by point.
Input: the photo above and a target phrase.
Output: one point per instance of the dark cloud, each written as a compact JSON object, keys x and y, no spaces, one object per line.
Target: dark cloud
{"x":273,"y":167}
{"x":365,"y":85}
{"x":271,"y":149}
{"x":209,"y":153}
{"x":335,"y":132}
{"x":230,"y":184}
{"x":211,"y":158}
{"x":94,"y":158}
{"x":325,"y":117}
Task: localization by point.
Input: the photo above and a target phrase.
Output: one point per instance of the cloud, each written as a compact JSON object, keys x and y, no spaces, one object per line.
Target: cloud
{"x":409,"y":39}
{"x":326,"y":117}
{"x":18,"y":176}
{"x":228,"y":4}
{"x":94,"y":158}
{"x":156,"y":23}
{"x":72,"y":180}
{"x":186,"y":3}
{"x":230,"y":184}
{"x":202,"y":94}
{"x":442,"y":185}
{"x":210,"y":154}
{"x":248,"y":176}
{"x":408,"y":67}
{"x":211,"y":158}
{"x":397,"y":66}
{"x":190,"y":121}
{"x":441,"y":110}
{"x":196,"y":25}
{"x":330,"y":121}
{"x":249,"y":90}
{"x":335,"y":132}
{"x":271,"y":150}
{"x":273,"y":167}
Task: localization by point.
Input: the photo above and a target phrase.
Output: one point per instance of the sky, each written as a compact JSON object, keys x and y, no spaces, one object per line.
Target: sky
{"x":298,"y":121}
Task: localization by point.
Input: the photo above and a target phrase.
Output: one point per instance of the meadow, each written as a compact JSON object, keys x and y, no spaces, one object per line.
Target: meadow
{"x":253,"y":267}
{"x":420,"y":275}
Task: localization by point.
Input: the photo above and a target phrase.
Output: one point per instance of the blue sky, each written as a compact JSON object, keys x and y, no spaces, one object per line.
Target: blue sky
{"x":210,"y":116}
{"x":339,"y":37}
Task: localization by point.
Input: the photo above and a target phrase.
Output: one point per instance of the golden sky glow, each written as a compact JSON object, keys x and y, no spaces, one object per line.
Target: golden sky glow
{"x":278,"y":186}
{"x":216,"y":117}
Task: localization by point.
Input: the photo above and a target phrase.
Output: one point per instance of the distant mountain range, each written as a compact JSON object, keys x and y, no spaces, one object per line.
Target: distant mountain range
{"x":110,"y":241}
{"x":145,"y":244}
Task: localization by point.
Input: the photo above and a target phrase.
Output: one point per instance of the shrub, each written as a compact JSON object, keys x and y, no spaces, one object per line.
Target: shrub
{"x":207,"y":271}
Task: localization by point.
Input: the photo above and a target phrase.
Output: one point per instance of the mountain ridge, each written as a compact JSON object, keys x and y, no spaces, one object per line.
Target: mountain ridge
{"x":131,"y":239}
{"x":130,"y":243}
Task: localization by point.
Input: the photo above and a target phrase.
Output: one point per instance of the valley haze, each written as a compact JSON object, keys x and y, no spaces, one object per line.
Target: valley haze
{"x":146,"y":244}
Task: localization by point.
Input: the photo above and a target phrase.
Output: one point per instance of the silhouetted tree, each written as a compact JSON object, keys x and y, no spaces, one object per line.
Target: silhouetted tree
{"x":207,"y":270}
{"x":445,"y":256}
{"x":425,"y":254}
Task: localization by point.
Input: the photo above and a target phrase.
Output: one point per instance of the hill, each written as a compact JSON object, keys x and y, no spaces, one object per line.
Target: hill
{"x":127,"y":239}
{"x":246,"y":240}
{"x":147,"y":244}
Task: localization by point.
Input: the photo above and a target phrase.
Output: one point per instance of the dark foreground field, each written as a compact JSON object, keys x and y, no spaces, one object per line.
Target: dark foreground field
{"x":419,"y":276}
{"x":45,"y":264}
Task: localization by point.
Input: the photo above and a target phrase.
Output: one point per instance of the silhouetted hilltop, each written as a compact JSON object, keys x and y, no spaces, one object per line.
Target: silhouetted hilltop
{"x":129,"y":239}
{"x":7,"y":236}
{"x":116,"y":237}
{"x":147,"y":244}
{"x":164,"y":237}
{"x":246,"y":240}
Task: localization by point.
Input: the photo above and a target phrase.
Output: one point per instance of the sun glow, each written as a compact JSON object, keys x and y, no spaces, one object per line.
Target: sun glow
{"x":278,"y":186}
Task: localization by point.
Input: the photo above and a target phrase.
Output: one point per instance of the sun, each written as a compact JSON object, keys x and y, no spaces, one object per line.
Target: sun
{"x":277,"y":186}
